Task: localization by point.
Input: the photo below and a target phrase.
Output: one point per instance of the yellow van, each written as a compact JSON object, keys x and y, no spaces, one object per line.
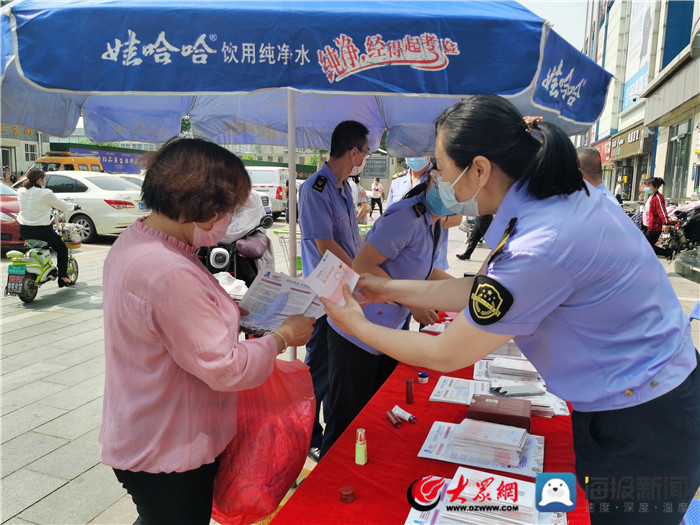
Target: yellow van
{"x":64,"y":160}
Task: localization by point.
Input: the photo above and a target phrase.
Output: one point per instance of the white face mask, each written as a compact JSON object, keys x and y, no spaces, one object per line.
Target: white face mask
{"x":214,"y":235}
{"x":356,"y":170}
{"x":469,"y":208}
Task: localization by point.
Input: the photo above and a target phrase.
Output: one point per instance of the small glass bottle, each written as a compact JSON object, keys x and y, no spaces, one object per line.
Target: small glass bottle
{"x":409,"y":390}
{"x":360,"y":447}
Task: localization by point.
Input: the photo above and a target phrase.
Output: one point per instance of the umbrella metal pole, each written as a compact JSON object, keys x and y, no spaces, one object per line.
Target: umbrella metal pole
{"x":292,"y":194}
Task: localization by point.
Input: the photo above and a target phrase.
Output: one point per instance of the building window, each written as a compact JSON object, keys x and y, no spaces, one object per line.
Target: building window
{"x":269,"y":158}
{"x":259,"y":157}
{"x":280,"y":158}
{"x":677,"y":161}
{"x":302,"y":160}
{"x":30,"y":152}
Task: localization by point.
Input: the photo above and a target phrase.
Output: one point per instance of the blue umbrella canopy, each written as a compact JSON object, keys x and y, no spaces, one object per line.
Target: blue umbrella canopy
{"x":132,"y":70}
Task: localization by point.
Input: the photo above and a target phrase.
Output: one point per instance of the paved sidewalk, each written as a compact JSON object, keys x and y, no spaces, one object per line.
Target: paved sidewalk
{"x":52,"y":382}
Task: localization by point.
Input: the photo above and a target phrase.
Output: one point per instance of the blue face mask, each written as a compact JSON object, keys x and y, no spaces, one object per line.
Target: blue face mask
{"x":468,"y":208}
{"x":434,"y":201}
{"x":417,"y":163}
{"x":647,"y":191}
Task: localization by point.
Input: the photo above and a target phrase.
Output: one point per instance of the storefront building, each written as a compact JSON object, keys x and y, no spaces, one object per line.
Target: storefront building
{"x":673,"y":108}
{"x":673,"y":112}
{"x":20,"y":146}
{"x":630,"y":156}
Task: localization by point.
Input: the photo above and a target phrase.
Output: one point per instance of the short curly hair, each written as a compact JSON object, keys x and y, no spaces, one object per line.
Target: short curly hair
{"x":194,"y":180}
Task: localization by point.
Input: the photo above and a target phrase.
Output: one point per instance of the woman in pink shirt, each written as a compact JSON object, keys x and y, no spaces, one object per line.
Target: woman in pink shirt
{"x":173,"y":359}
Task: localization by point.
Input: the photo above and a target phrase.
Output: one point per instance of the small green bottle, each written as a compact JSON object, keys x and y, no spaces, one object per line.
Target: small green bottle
{"x":361,"y":447}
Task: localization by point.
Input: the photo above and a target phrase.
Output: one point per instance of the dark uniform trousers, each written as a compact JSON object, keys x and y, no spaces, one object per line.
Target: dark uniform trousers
{"x":641,"y":465}
{"x":317,"y":360}
{"x":355,"y":376}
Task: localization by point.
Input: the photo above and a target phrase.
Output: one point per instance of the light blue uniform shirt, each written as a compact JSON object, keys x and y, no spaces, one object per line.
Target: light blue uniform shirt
{"x":410,"y":245}
{"x":593,"y":309}
{"x":602,"y":187}
{"x":400,"y":186}
{"x":326,"y":211}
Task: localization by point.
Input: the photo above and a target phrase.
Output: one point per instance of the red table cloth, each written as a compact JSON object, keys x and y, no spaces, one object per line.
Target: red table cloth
{"x":381,"y":485}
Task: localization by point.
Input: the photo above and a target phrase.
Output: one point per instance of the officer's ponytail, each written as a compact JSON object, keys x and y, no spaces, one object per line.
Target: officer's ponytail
{"x":532,"y":152}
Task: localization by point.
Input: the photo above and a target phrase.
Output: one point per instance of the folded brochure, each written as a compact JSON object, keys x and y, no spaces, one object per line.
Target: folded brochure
{"x":274,"y":296}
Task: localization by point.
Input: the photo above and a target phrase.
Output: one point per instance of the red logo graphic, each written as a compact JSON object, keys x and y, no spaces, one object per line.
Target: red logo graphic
{"x":424,"y":493}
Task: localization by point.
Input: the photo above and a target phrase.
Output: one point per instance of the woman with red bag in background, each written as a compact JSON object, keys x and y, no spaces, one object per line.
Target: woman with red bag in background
{"x":655,"y":209}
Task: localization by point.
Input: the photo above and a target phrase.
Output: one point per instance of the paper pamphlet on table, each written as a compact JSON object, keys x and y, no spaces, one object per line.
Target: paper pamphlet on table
{"x":546,"y":405}
{"x":469,"y":487}
{"x":483,"y":371}
{"x":456,"y":390}
{"x":510,"y":349}
{"x":274,"y":296}
{"x":518,"y":369}
{"x":438,"y":445}
{"x":490,"y":441}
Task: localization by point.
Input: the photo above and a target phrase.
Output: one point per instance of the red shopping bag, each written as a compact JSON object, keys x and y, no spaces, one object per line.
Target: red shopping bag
{"x":258,"y":467}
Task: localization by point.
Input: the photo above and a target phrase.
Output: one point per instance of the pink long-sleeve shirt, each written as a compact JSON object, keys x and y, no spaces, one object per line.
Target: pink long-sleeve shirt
{"x":173,"y":360}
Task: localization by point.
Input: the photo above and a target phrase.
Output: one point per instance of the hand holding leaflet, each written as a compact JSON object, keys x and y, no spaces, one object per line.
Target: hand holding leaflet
{"x":274,"y":296}
{"x":329,"y":276}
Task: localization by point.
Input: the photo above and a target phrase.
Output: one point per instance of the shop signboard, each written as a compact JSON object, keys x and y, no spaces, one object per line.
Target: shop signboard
{"x":628,"y":143}
{"x":376,"y":167}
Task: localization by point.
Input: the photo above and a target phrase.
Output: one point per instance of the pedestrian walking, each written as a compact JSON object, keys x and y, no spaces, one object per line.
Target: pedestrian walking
{"x":377,"y":196}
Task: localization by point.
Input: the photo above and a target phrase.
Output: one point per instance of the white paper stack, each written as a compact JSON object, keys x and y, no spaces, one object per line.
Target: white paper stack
{"x":457,"y":390}
{"x":510,"y":349}
{"x":501,"y":490}
{"x":546,"y":405}
{"x":516,"y":369}
{"x":490,"y":441}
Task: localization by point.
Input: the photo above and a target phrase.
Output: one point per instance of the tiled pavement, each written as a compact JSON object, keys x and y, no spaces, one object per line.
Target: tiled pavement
{"x":52,"y":380}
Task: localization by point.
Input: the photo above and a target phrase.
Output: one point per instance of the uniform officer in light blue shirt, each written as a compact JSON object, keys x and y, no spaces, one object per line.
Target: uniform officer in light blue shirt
{"x":592,"y":170}
{"x":328,"y":221}
{"x":403,"y":244}
{"x":401,"y":184}
{"x":571,"y":279}
{"x":417,"y":173}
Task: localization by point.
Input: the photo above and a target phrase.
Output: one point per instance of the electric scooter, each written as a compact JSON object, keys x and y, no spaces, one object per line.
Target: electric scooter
{"x":29,"y":270}
{"x":239,"y":257}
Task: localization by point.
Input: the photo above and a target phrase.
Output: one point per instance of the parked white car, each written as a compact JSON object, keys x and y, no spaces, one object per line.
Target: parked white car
{"x":109,"y":204}
{"x":132,"y":177}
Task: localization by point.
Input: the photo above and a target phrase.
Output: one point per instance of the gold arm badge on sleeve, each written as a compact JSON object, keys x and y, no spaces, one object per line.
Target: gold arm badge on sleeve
{"x":489,"y":301}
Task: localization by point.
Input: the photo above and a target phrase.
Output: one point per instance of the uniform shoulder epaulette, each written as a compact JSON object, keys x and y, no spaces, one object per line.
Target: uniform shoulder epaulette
{"x":397,"y":175}
{"x":320,"y":183}
{"x":419,"y":209}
